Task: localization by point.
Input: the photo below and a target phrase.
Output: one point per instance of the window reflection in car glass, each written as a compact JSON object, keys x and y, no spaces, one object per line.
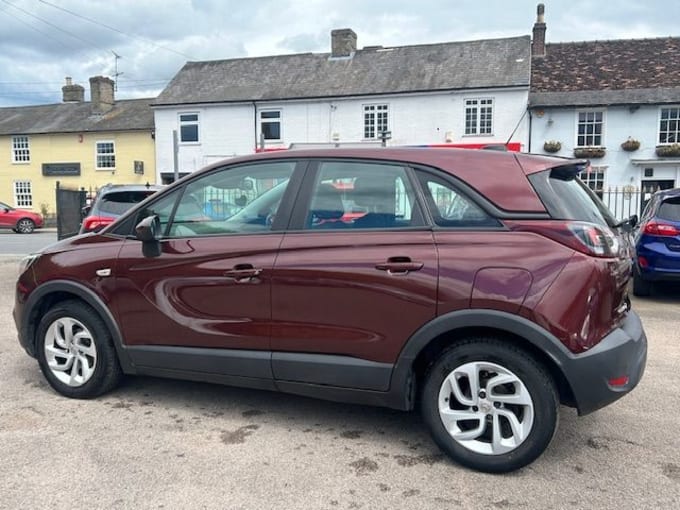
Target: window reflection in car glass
{"x":233,"y":200}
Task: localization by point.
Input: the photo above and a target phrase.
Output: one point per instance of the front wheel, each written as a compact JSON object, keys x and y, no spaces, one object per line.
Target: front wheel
{"x":490,"y":405}
{"x":75,"y":351}
{"x":25,"y":226}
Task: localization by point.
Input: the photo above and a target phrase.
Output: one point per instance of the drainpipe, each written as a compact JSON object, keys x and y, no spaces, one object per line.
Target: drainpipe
{"x":531,"y":118}
{"x":254,"y":126}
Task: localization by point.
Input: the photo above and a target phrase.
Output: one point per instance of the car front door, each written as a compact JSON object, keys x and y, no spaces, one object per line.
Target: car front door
{"x":204,"y":304}
{"x":356,"y":276}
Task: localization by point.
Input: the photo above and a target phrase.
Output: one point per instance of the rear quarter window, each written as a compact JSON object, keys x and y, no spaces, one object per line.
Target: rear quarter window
{"x":670,"y":209}
{"x":566,"y":197}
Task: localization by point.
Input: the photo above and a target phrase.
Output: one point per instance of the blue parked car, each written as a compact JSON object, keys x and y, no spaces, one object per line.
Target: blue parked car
{"x":657,"y":242}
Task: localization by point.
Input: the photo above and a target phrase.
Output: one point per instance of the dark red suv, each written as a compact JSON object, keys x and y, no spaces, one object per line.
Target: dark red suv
{"x":484,"y":288}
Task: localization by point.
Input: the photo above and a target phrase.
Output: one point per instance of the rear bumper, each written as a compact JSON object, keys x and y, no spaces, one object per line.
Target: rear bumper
{"x":622,"y":353}
{"x":658,"y":275}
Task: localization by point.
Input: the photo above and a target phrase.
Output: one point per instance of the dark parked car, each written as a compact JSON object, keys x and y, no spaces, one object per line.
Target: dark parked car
{"x":111,"y":201}
{"x":19,"y":220}
{"x":483,"y":288}
{"x":657,"y":242}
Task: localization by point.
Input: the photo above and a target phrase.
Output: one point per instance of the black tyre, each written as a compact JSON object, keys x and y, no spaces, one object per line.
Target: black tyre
{"x":490,"y":405}
{"x":25,"y":226}
{"x":641,"y":287}
{"x":75,"y":351}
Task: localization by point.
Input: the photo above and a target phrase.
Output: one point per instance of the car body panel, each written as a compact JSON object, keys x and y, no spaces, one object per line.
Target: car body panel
{"x":189,"y":295}
{"x":329,"y":297}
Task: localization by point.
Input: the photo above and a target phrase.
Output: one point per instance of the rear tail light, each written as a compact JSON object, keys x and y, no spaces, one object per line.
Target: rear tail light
{"x":588,"y":238}
{"x":660,"y":229}
{"x":96,"y":222}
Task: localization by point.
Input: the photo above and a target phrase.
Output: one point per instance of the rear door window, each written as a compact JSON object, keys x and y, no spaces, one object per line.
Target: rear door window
{"x":118,"y":202}
{"x":449,"y":207}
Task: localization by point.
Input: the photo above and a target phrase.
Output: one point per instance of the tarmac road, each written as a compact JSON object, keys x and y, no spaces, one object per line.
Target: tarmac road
{"x":23,"y":244}
{"x":157,"y":443}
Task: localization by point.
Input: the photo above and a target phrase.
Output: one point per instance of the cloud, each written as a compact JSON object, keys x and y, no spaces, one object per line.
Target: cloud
{"x":159,"y":36}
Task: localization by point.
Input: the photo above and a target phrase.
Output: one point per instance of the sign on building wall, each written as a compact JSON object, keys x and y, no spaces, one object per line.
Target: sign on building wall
{"x":60,"y":169}
{"x":139,"y":167}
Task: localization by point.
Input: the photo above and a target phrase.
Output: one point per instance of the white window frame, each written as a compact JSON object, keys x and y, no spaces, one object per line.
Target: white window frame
{"x":476,"y":105}
{"x":104,"y":154}
{"x":196,"y":123}
{"x":675,"y":134}
{"x":602,"y":133}
{"x":23,"y":194}
{"x":271,"y":120}
{"x":21,"y":149}
{"x":591,"y":179}
{"x":375,"y":116}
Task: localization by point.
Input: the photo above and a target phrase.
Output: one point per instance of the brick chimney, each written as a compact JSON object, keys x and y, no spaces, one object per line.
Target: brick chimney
{"x":73,"y":93}
{"x":343,"y":42}
{"x":101,"y":94}
{"x":538,"y":40}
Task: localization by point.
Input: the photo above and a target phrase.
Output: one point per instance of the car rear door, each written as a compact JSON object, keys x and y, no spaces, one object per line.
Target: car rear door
{"x":204,"y":304}
{"x":355,"y":277}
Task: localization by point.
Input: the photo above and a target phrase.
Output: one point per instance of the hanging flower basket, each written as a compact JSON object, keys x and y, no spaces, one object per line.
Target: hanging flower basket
{"x":630,"y":145}
{"x":552,"y":146}
{"x":590,"y":152}
{"x":668,"y":151}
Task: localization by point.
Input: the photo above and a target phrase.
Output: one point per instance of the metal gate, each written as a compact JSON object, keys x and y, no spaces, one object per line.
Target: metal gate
{"x":70,"y":203}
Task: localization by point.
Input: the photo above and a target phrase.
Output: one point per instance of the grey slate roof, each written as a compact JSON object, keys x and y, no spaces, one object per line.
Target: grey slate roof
{"x":402,"y":69}
{"x":590,"y":73}
{"x":126,"y":115}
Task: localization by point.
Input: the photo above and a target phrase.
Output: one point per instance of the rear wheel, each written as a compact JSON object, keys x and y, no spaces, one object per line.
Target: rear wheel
{"x":75,"y":351}
{"x":641,"y":287}
{"x":25,"y":226}
{"x":489,"y":405}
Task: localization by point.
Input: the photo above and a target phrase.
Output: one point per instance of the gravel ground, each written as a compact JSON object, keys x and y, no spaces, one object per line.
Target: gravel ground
{"x":157,"y":443}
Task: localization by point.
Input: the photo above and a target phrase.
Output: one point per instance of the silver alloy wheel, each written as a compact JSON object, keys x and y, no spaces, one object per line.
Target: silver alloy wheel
{"x":70,"y":351}
{"x":486,"y":408}
{"x":25,"y":226}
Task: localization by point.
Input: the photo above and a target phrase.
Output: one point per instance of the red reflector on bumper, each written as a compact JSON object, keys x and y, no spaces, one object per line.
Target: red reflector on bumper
{"x":619,"y":381}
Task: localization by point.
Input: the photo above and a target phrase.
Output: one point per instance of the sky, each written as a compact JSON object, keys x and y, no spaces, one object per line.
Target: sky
{"x":43,"y":41}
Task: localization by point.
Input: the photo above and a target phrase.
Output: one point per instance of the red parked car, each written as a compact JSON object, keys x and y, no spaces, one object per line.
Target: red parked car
{"x":19,"y":220}
{"x":482,"y":288}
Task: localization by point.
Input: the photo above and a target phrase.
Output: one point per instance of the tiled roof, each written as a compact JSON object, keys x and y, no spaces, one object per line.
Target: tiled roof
{"x":403,"y":69}
{"x":126,"y":115}
{"x":607,"y":72}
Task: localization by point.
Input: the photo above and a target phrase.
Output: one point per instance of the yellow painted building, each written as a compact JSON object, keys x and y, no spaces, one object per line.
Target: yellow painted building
{"x":80,"y":144}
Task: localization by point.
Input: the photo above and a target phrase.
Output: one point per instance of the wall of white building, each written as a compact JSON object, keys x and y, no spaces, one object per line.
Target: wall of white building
{"x":620,"y":122}
{"x":228,"y":130}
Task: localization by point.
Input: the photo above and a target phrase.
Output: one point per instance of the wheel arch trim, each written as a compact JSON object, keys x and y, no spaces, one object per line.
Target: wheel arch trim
{"x":528,"y":331}
{"x":88,"y":296}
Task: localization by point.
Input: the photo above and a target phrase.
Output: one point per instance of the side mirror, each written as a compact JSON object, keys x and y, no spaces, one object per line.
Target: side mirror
{"x":149,"y":232}
{"x":634,"y":220}
{"x":85,"y":211}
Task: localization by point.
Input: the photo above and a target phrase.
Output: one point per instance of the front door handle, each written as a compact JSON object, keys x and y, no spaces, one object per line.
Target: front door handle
{"x":243,"y":273}
{"x":399,"y":266}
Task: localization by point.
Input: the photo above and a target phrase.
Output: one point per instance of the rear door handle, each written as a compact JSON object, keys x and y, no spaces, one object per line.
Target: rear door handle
{"x":399,"y":266}
{"x":243,"y":273}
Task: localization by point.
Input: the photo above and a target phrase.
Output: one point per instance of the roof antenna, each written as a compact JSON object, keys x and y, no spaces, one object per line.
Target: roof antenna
{"x":116,"y":74}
